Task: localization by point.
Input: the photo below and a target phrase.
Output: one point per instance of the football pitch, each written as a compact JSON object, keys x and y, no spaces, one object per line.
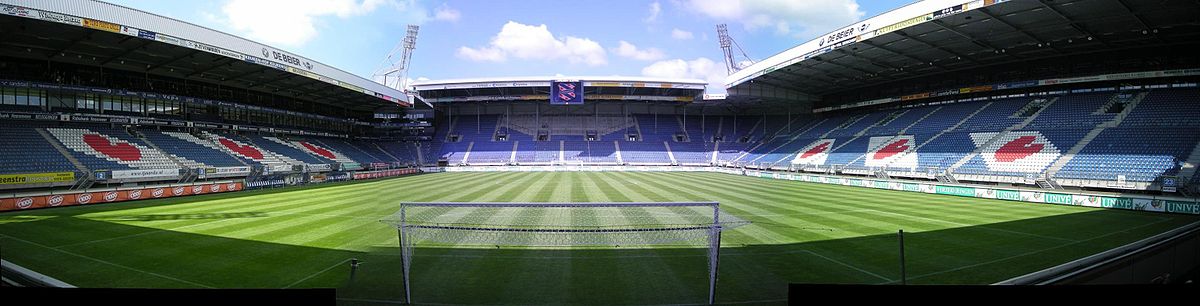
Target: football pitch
{"x":802,"y":232}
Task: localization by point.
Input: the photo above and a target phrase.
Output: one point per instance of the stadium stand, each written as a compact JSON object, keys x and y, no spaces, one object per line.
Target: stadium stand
{"x":190,"y":147}
{"x":1079,"y":139}
{"x":999,"y":140}
{"x":99,"y":148}
{"x":24,"y":150}
{"x":249,"y":152}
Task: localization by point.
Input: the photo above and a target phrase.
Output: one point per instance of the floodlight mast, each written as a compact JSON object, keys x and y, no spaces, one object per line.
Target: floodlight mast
{"x":727,"y":44}
{"x":393,"y":71}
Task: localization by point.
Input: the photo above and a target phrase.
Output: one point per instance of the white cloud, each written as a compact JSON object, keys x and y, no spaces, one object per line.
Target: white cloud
{"x":655,"y":11}
{"x":700,"y":68}
{"x":815,"y":17}
{"x":446,"y":13}
{"x":681,"y":34}
{"x":486,"y":54}
{"x":627,"y":49}
{"x":288,"y":22}
{"x":536,"y":43}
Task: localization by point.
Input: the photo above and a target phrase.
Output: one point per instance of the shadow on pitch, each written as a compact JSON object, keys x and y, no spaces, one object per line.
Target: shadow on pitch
{"x":752,"y":272}
{"x":980,"y":254}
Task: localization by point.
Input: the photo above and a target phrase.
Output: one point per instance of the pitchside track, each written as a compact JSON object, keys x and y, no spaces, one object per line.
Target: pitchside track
{"x":801,"y":233}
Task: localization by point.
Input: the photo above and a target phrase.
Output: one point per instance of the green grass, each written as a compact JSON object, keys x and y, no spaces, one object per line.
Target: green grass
{"x":802,"y":233}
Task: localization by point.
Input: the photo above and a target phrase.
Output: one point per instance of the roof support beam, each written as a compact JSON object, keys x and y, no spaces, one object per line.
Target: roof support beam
{"x":218,"y":63}
{"x":173,"y":60}
{"x":985,"y":12}
{"x":127,"y":52}
{"x":801,"y":78}
{"x":955,"y":54}
{"x":71,"y":44}
{"x":1074,"y":24}
{"x":880,"y":47}
{"x":289,"y":76}
{"x":1138,"y":17}
{"x":260,"y":70}
{"x":869,"y":61}
{"x":1135,"y":15}
{"x":976,"y":41}
{"x":819,"y":59}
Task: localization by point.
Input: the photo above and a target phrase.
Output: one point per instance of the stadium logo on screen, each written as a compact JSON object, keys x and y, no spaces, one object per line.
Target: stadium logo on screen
{"x":56,"y":200}
{"x":83,"y":198}
{"x":566,"y":92}
{"x":157,"y":193}
{"x":136,"y":194}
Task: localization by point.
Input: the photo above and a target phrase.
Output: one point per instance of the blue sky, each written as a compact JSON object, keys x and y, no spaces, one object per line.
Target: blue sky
{"x":467,"y":39}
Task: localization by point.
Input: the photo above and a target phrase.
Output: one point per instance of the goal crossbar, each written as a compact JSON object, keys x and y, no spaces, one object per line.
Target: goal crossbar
{"x":559,"y":204}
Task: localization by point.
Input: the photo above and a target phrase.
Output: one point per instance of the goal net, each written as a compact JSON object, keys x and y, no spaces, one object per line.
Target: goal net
{"x":563,"y":225}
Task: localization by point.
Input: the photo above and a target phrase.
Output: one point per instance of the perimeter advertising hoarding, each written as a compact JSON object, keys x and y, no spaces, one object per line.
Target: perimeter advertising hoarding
{"x":82,"y":198}
{"x":37,"y":178}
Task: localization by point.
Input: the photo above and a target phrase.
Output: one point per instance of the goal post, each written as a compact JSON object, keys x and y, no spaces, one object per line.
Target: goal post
{"x":533,"y":225}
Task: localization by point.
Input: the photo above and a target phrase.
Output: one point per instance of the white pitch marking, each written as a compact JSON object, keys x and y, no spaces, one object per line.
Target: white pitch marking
{"x":318,"y":273}
{"x":107,"y":262}
{"x":1034,"y":252}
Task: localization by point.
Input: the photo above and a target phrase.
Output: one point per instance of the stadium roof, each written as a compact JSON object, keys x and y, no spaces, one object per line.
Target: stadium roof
{"x":934,"y":37}
{"x":111,"y":36}
{"x":538,"y":88}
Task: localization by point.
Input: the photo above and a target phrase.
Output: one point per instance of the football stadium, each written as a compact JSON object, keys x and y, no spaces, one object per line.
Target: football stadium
{"x":947,"y":142}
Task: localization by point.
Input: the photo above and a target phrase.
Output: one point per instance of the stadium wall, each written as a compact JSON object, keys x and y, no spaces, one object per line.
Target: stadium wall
{"x":1160,"y":259}
{"x":111,"y":195}
{"x":1166,"y":204}
{"x":27,"y":200}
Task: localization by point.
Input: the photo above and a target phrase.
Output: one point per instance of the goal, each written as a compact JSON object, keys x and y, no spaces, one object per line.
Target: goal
{"x":563,"y":225}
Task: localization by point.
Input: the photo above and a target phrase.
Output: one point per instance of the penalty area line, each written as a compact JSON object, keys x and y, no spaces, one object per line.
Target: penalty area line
{"x":1032,"y":252}
{"x":317,"y":273}
{"x":107,"y":262}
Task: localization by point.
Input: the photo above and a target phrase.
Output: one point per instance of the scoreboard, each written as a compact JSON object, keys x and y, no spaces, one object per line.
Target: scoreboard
{"x":566,"y":93}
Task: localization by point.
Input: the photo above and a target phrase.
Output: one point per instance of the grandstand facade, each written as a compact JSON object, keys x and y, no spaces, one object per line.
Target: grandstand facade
{"x":1057,"y":95}
{"x":95,"y":95}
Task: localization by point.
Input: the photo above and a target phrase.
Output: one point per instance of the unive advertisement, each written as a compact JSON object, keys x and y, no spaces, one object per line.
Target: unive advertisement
{"x":955,"y":190}
{"x":1058,"y":198}
{"x":82,"y":198}
{"x":1008,"y":195}
{"x":1182,"y":207}
{"x":1122,"y":203}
